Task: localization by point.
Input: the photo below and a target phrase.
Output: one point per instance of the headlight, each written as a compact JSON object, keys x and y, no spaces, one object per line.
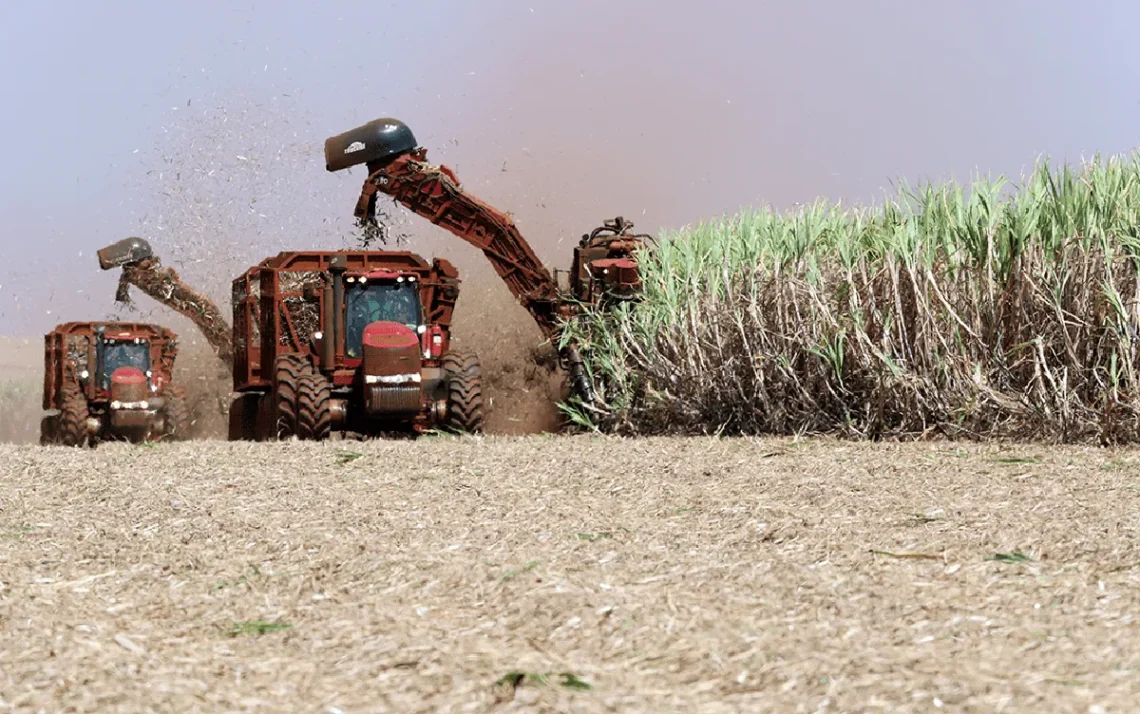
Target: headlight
{"x":413,"y":377}
{"x":84,"y":374}
{"x":318,"y":335}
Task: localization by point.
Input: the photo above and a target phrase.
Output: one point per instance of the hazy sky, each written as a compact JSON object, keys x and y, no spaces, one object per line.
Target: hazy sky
{"x":200,"y":125}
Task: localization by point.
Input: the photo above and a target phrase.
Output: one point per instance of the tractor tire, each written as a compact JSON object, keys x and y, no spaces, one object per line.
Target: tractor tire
{"x":49,"y":430}
{"x":465,"y":410}
{"x":177,"y":414}
{"x":290,"y":369}
{"x":243,"y":417}
{"x":72,"y":420}
{"x":314,"y":408}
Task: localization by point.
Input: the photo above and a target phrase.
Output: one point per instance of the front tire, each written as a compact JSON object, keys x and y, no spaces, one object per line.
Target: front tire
{"x":465,"y":410}
{"x":290,"y":369}
{"x":176,"y":414}
{"x":314,"y":407}
{"x":72,"y":419}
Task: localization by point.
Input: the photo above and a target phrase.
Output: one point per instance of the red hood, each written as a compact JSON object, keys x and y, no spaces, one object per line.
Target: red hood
{"x":389,"y":335}
{"x":128,"y":384}
{"x":128,"y":375}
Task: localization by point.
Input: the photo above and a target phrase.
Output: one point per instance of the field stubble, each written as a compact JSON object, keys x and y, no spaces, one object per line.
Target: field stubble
{"x":662,"y":574}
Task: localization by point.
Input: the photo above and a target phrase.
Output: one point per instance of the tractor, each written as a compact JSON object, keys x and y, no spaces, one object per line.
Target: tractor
{"x":109,"y":381}
{"x":356,"y":342}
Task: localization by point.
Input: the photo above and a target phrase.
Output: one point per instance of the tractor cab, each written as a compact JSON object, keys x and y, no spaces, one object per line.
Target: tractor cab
{"x":123,"y":376}
{"x":384,"y":324}
{"x":121,"y":357}
{"x":380,"y":302}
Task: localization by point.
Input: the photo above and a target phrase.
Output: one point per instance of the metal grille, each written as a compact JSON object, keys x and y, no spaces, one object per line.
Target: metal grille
{"x":386,"y":399}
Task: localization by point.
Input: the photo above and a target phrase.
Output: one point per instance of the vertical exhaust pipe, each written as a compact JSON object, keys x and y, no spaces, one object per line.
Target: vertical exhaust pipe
{"x":97,"y":345}
{"x":328,"y":344}
{"x":337,"y":266}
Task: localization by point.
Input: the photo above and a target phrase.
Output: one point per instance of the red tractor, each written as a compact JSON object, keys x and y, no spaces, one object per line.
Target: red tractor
{"x":349,"y":341}
{"x":111,"y":381}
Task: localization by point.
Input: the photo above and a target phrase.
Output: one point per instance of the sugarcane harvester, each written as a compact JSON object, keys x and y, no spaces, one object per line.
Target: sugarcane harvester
{"x":604,"y":269}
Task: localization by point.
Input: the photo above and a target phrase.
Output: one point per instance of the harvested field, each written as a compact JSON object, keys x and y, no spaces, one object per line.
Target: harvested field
{"x":667,"y":575}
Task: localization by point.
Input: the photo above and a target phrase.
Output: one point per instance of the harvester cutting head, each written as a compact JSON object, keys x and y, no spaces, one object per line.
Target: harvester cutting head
{"x":606,"y":266}
{"x":375,"y":143}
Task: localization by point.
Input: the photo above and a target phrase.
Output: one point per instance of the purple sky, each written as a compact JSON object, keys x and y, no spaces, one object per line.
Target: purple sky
{"x":200,"y":125}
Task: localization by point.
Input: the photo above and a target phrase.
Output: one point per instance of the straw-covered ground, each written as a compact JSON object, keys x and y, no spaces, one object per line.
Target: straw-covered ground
{"x":584,"y":574}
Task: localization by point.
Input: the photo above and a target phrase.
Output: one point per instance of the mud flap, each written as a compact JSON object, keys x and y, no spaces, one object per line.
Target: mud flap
{"x":243,"y":417}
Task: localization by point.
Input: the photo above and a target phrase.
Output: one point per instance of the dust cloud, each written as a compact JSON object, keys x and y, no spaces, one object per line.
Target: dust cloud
{"x":241,"y":180}
{"x":21,"y":388}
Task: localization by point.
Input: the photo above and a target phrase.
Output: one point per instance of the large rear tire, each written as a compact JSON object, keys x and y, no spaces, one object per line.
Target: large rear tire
{"x":73,"y":415}
{"x":314,"y":408}
{"x":465,"y":410}
{"x":176,"y":415}
{"x":290,"y":369}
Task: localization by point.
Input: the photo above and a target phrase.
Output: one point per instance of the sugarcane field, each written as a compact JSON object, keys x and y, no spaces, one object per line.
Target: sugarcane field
{"x":583,"y":357}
